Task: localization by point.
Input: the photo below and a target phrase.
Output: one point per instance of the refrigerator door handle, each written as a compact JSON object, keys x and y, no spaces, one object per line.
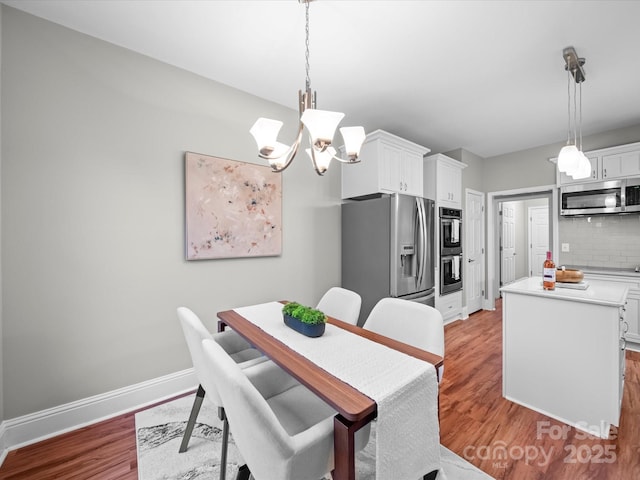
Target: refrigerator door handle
{"x":422,"y":248}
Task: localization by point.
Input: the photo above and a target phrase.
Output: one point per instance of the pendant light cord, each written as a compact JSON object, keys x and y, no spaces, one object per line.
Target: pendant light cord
{"x":568,"y":105}
{"x":580,"y":120}
{"x":575,"y":117}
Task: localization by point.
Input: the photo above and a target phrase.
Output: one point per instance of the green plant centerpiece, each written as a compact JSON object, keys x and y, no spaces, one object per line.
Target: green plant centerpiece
{"x":305,"y":320}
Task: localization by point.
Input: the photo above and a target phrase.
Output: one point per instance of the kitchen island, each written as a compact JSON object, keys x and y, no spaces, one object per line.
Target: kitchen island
{"x":564,"y":351}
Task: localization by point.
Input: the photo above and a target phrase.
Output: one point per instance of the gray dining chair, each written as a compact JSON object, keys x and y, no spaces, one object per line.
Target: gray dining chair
{"x":238,"y":350}
{"x":342,"y":304}
{"x":409,"y":322}
{"x":282,"y":430}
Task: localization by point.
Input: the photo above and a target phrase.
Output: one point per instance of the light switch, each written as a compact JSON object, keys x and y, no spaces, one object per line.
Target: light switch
{"x":565,"y":247}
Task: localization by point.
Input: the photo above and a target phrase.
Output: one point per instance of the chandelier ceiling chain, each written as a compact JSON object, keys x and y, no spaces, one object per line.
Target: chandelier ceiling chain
{"x":306,"y":45}
{"x":320,"y":125}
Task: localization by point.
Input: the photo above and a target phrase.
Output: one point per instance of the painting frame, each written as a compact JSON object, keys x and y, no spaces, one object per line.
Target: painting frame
{"x":233,"y":209}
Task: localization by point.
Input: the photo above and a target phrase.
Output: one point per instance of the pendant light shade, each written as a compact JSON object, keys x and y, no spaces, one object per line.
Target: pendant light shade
{"x":568,"y":159}
{"x":583,"y":170}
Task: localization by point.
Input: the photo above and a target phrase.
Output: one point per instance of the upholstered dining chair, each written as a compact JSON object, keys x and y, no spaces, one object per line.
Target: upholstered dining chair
{"x":342,"y":304}
{"x":282,"y":430}
{"x":409,"y":322}
{"x":235,"y":347}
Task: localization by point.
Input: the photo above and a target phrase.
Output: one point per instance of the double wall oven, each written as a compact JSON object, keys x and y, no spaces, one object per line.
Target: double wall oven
{"x":450,"y":250}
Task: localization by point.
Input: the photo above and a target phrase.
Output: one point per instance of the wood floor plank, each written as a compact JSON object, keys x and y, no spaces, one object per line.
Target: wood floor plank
{"x":498,"y":436}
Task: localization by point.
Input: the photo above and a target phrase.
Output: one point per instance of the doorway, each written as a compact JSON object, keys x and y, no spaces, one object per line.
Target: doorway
{"x":524,"y":237}
{"x":509,"y":225}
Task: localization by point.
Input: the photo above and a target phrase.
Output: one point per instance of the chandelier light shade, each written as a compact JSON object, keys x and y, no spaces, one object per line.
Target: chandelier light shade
{"x":265,"y":131}
{"x":571,"y":159}
{"x":320,"y":125}
{"x":353,"y":139}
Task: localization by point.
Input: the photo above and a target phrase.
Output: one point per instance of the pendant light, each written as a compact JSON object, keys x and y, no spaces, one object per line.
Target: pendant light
{"x":320,"y":125}
{"x":571,"y":159}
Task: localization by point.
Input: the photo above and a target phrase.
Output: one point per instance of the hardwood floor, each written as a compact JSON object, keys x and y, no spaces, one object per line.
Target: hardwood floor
{"x":504,"y":439}
{"x":512,"y":442}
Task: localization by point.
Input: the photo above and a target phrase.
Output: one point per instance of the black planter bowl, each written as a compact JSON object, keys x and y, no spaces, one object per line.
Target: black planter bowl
{"x":308,"y":329}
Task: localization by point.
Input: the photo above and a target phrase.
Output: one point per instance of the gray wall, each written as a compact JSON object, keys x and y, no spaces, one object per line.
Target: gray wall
{"x":532,"y":168}
{"x":472,"y":175}
{"x":92,"y":214}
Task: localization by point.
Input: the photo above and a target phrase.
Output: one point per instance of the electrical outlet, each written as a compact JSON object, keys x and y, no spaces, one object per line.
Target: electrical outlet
{"x":565,"y":247}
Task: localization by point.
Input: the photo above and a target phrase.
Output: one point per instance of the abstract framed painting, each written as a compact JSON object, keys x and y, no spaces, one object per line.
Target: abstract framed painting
{"x":232,"y":209}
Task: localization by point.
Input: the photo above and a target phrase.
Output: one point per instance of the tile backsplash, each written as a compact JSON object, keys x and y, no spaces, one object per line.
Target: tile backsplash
{"x":602,"y":241}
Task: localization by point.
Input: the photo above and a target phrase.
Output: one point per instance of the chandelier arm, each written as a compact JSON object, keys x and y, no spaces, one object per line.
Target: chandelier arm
{"x":315,"y":163}
{"x":346,"y":160}
{"x":289,"y":154}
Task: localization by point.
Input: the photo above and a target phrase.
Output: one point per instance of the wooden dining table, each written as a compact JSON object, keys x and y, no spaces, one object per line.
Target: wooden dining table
{"x":354,"y":408}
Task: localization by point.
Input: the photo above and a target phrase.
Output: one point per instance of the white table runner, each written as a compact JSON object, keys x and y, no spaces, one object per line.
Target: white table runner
{"x":404,"y":388}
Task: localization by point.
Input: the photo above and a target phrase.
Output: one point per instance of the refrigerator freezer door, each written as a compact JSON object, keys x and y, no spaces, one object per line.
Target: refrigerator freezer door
{"x":427,"y":298}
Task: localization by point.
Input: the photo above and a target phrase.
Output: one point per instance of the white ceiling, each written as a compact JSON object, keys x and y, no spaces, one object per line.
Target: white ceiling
{"x":487,"y":76}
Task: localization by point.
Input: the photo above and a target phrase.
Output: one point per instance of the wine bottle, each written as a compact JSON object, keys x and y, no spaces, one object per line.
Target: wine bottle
{"x":549,"y":273}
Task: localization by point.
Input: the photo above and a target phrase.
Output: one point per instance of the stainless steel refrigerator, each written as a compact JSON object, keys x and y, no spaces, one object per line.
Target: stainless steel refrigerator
{"x":388,"y":249}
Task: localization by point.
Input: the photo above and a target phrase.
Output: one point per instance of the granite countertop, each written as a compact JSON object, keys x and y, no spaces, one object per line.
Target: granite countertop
{"x":598,"y":291}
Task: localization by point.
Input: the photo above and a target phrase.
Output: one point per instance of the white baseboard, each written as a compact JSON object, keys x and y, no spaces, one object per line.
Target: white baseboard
{"x":34,"y":427}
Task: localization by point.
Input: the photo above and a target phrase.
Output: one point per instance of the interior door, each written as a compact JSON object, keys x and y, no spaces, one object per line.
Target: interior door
{"x":538,"y":239}
{"x":474,"y":250}
{"x":508,"y":253}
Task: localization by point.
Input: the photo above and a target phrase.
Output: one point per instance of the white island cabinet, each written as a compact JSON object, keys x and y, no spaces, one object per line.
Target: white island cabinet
{"x":564,"y":351}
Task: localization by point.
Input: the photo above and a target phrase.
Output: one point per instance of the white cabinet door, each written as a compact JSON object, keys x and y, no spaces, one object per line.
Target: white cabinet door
{"x":412,"y":175}
{"x":391,"y":159}
{"x":621,"y":165}
{"x":452,"y":177}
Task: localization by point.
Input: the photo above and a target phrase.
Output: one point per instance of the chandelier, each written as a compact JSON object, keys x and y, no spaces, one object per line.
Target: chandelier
{"x":321,"y":126}
{"x":572,"y":159}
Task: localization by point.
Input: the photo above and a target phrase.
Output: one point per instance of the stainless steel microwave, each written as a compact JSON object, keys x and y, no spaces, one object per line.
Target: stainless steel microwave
{"x":615,"y":196}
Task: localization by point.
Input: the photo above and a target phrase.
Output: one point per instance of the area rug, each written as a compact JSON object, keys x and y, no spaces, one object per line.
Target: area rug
{"x":159,"y":433}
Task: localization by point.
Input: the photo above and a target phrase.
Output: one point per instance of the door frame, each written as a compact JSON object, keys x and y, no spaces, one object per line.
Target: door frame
{"x":493,"y":198}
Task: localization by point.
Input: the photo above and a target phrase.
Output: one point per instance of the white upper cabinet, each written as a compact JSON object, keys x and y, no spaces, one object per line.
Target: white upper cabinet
{"x":608,"y":164}
{"x":443,"y":180}
{"x":388,"y":164}
{"x":623,"y":164}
